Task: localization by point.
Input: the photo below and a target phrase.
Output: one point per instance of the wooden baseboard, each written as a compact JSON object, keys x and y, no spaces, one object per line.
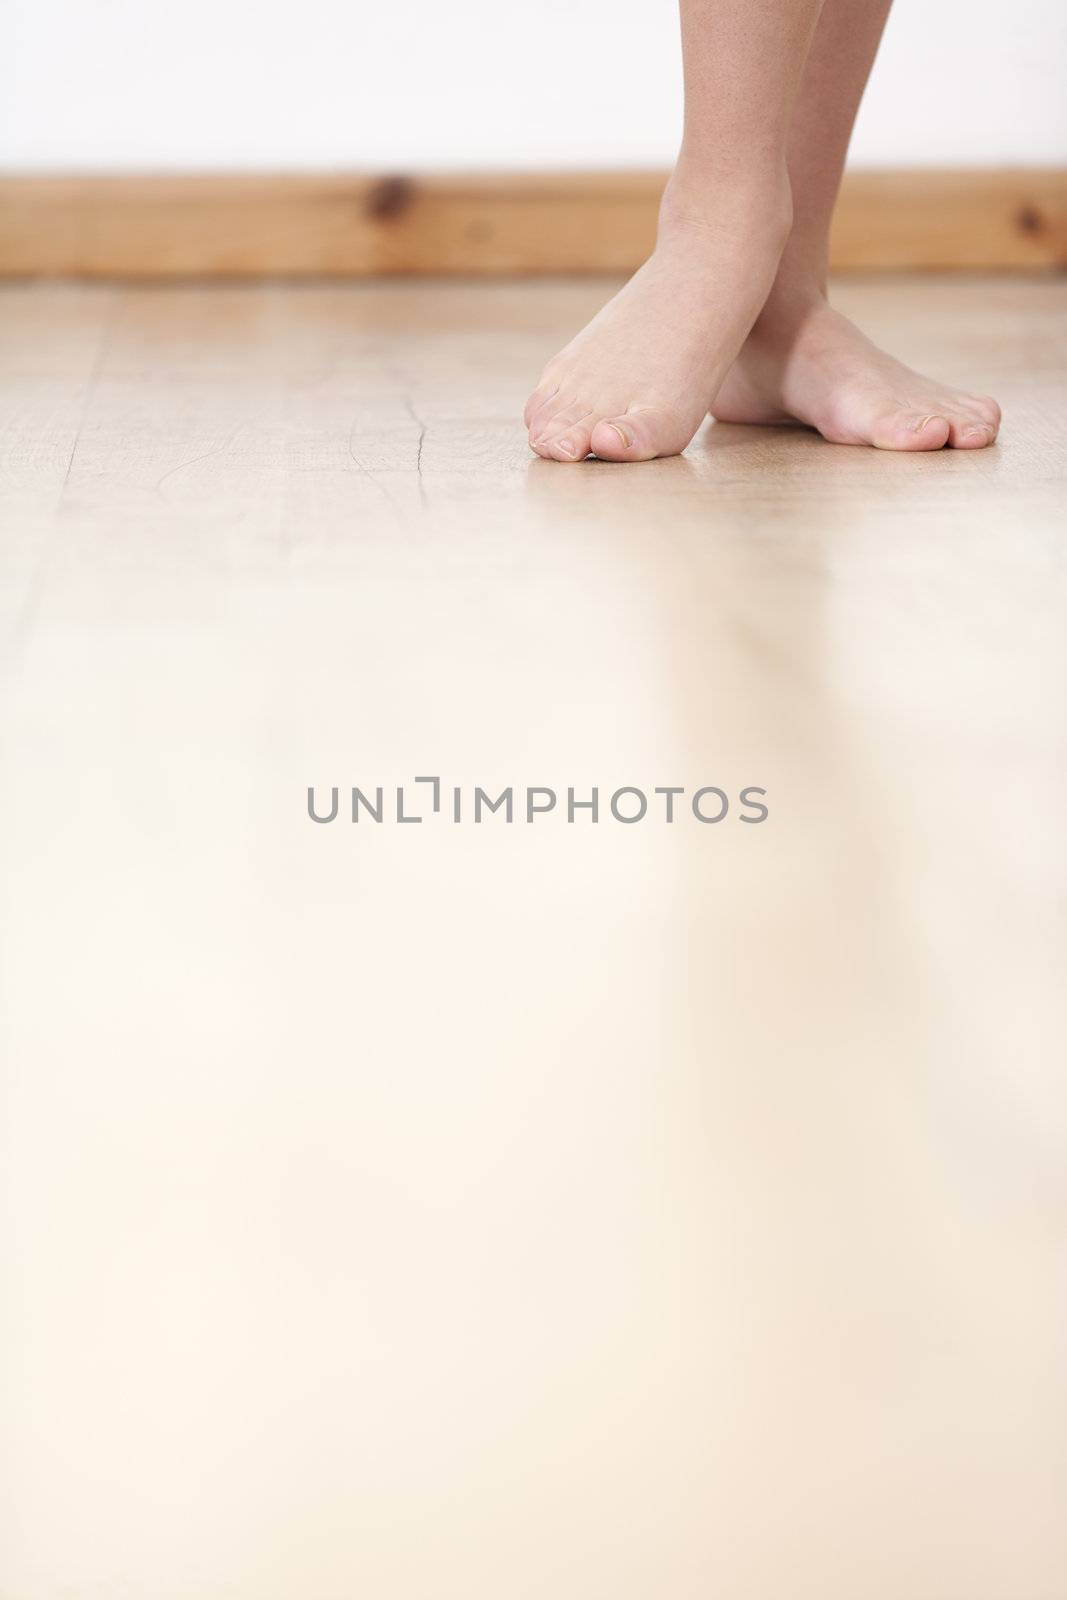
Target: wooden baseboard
{"x":307,"y":225}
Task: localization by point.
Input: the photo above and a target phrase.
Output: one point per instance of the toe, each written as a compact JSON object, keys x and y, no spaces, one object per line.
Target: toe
{"x":910,"y":430}
{"x":639,"y":435}
{"x":551,"y":420}
{"x":544,"y":392}
{"x":987,"y":411}
{"x":566,"y":426}
{"x":571,"y":443}
{"x":543,"y":420}
{"x":967,"y":433}
{"x":990,"y":410}
{"x":974,"y":422}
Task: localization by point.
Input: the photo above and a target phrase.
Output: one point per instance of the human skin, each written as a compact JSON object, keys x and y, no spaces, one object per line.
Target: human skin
{"x":637,"y":382}
{"x":730,"y":311}
{"x":803,"y":361}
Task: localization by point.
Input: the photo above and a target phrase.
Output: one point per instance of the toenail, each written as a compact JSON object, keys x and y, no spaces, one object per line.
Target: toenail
{"x":566,"y":446}
{"x":978,"y":431}
{"x":922,"y":422}
{"x":626,"y":442}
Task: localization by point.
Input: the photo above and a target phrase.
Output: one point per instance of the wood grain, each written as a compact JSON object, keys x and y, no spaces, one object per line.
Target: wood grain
{"x":524,"y":1210}
{"x":347,"y":225}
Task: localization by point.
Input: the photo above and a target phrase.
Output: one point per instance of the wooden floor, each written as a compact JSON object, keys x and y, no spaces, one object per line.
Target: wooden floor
{"x":551,"y":1209}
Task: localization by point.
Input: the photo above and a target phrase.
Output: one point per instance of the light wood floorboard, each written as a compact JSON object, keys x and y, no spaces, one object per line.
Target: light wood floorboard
{"x":539,"y":1210}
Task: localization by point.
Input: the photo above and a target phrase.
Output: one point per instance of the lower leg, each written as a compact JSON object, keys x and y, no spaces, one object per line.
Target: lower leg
{"x":634,"y":383}
{"x":835,"y":75}
{"x":803,"y":360}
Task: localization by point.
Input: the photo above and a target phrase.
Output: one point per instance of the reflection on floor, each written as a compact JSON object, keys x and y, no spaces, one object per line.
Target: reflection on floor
{"x":555,"y":1208}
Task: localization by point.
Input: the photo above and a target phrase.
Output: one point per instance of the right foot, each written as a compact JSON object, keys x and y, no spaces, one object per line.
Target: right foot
{"x":634,"y":383}
{"x":804,"y":362}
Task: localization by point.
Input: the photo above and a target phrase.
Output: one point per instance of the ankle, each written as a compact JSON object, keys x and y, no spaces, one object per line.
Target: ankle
{"x":802,"y":281}
{"x":793,"y":305}
{"x":699,"y":199}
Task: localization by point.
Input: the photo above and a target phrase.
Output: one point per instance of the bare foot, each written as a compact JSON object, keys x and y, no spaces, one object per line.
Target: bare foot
{"x":635,"y":383}
{"x":804,"y":362}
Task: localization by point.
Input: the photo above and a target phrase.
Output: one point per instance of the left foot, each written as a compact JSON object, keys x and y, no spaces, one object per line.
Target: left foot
{"x":635,"y":383}
{"x":804,"y":362}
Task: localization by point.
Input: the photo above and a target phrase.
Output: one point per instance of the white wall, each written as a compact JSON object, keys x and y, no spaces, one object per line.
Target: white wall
{"x":87,"y":84}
